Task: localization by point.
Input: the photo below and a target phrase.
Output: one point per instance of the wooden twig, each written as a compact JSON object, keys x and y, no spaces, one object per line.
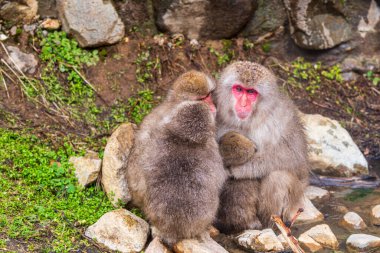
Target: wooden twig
{"x":287,"y":234}
{"x":5,"y":84}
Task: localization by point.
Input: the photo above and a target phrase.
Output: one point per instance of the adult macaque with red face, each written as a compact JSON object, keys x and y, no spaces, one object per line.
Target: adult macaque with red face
{"x":262,"y":144}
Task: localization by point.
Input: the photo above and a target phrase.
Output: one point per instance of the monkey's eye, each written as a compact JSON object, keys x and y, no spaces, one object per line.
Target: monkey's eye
{"x":251,"y":91}
{"x":238,"y":88}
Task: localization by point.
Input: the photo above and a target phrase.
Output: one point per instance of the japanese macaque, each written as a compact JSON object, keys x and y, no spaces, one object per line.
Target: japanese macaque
{"x":175,"y":172}
{"x":272,"y":178}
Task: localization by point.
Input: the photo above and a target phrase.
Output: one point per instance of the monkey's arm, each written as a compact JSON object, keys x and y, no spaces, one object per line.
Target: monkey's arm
{"x":192,"y":123}
{"x":236,"y":149}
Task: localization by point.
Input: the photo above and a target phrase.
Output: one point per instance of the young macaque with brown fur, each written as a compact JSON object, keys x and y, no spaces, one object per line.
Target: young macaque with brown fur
{"x":272,"y":177}
{"x":175,"y":172}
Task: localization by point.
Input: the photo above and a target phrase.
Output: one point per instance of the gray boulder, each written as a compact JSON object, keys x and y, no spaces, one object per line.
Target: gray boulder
{"x":203,"y":18}
{"x":268,"y":17}
{"x":93,"y":23}
{"x":317,"y":24}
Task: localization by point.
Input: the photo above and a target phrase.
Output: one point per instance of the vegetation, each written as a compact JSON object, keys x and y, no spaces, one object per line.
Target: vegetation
{"x":310,"y":76}
{"x":41,"y":201}
{"x":226,"y":55}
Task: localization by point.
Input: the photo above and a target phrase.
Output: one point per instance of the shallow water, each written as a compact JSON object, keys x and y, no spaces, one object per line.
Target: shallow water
{"x":359,"y":201}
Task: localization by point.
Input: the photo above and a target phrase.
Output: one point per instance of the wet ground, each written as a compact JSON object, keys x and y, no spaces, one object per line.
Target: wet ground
{"x":359,"y":201}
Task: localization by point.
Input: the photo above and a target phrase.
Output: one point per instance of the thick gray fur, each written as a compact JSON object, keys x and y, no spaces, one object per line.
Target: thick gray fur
{"x":279,"y":167}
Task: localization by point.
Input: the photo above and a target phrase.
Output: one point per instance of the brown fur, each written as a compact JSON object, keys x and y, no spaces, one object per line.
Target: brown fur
{"x":280,"y":163}
{"x":239,"y":202}
{"x":236,"y":149}
{"x":175,"y":172}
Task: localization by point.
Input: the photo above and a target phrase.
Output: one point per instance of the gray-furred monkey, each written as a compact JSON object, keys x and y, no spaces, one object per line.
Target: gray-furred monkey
{"x":175,"y":172}
{"x":273,"y":179}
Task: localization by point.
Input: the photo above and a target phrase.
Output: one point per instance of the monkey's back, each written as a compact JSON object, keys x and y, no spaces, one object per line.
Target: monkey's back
{"x":186,"y":182}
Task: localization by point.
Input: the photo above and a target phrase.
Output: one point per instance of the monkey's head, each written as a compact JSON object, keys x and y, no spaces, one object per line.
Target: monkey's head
{"x":245,"y":88}
{"x":193,"y":86}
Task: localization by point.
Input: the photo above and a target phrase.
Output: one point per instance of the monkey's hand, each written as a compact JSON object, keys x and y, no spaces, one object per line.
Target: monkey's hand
{"x":192,"y":123}
{"x":236,"y":149}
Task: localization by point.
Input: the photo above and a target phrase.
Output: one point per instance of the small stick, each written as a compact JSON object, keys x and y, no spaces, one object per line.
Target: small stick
{"x":299,"y":211}
{"x":5,"y":84}
{"x":287,"y":234}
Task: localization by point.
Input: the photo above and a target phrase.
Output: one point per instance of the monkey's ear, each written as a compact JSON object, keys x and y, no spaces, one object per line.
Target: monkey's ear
{"x":192,"y":123}
{"x":236,"y":149}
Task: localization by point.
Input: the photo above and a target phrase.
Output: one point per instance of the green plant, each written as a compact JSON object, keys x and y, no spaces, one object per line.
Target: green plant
{"x":226,"y":55}
{"x":140,"y":105}
{"x":266,"y":47}
{"x":146,"y":65}
{"x":41,"y":200}
{"x":247,"y":44}
{"x":310,"y":75}
{"x":375,"y":79}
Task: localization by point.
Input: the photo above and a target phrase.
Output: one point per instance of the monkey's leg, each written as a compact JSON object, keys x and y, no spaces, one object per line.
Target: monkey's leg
{"x":236,"y":149}
{"x":281,"y":193}
{"x":238,"y":206}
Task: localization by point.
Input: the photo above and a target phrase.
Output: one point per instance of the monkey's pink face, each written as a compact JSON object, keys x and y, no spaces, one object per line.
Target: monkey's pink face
{"x":245,"y":99}
{"x":210,"y":103}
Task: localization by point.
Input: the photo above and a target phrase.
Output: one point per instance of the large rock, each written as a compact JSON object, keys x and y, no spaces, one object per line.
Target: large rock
{"x":268,"y":17}
{"x":317,"y":24}
{"x":203,"y":18}
{"x":203,"y":245}
{"x":352,"y":221}
{"x":372,"y":19}
{"x":375,"y":215}
{"x":156,"y":246}
{"x":323,"y":235}
{"x":15,"y":12}
{"x":114,"y":161}
{"x":310,"y":214}
{"x":363,"y":243}
{"x":331,"y":149}
{"x":93,"y":23}
{"x":27,"y":63}
{"x":87,"y":168}
{"x":309,"y":243}
{"x":313,"y":192}
{"x":265,"y":240}
{"x":120,"y":230}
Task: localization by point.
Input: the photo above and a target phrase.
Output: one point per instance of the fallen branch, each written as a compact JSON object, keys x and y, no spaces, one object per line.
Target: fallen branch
{"x":287,"y":234}
{"x":351,"y":182}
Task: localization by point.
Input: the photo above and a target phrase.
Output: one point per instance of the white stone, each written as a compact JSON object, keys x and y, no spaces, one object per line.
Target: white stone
{"x":283,"y":241}
{"x":120,"y":230}
{"x":309,"y":243}
{"x":114,"y":161}
{"x":313,"y":192}
{"x":331,"y":148}
{"x":362,"y":243}
{"x":156,"y":246}
{"x":3,"y":37}
{"x":375,"y":215}
{"x":323,"y":235}
{"x":23,"y":61}
{"x":265,"y":240}
{"x":87,"y":168}
{"x":352,"y":220}
{"x":310,"y":214}
{"x":203,"y":245}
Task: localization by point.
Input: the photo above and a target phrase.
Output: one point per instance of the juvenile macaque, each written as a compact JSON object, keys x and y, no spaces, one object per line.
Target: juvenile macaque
{"x":273,"y":179}
{"x":175,"y":172}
